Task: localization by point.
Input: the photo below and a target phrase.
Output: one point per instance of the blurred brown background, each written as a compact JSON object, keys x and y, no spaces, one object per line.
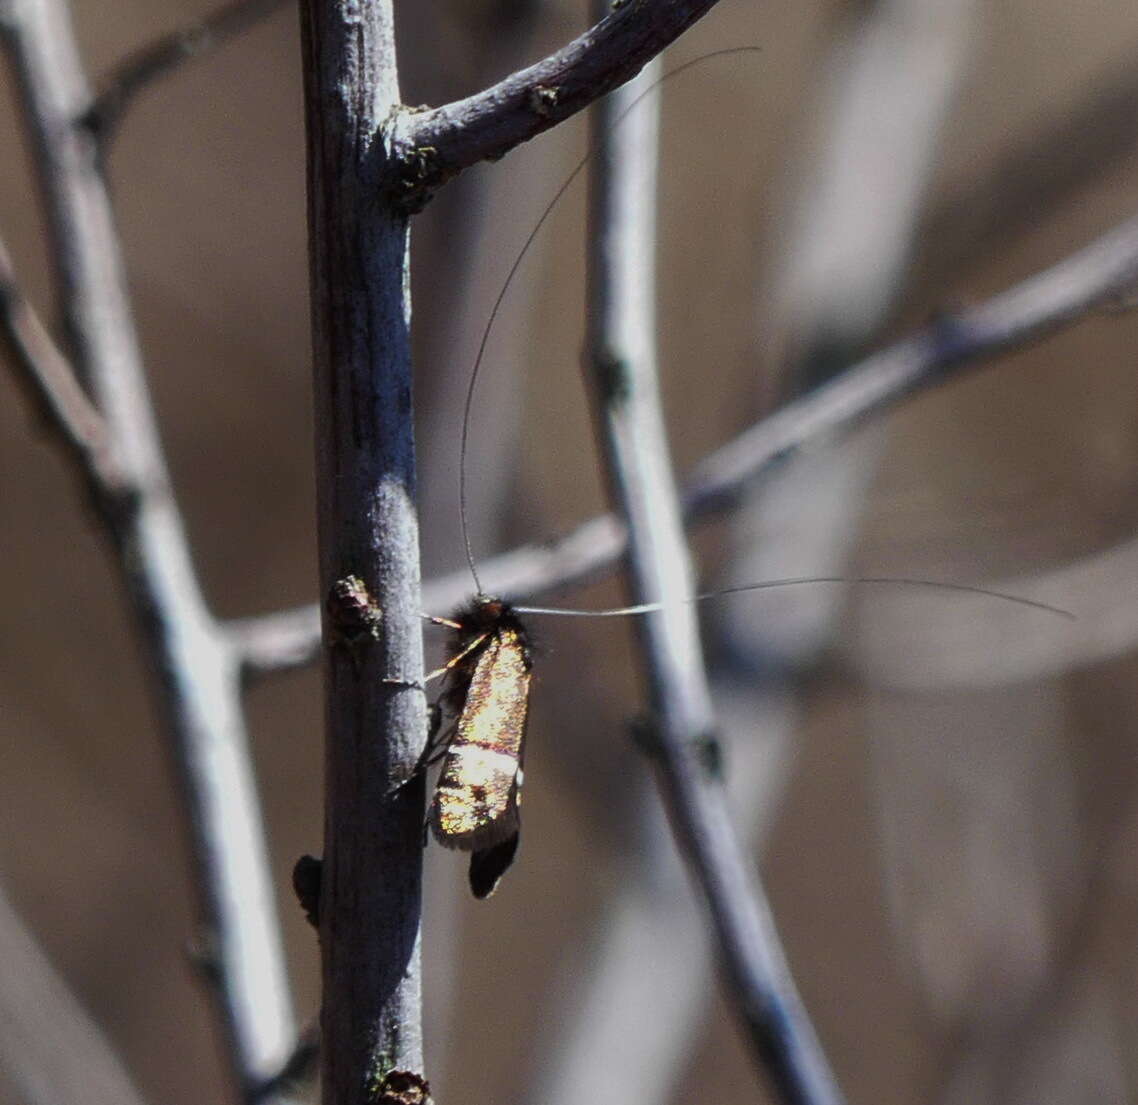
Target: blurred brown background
{"x":945,"y":805}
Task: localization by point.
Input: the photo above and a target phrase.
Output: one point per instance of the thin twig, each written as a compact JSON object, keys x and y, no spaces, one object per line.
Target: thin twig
{"x":1026,"y":313}
{"x":1045,"y":303}
{"x":621,"y":355}
{"x":1004,"y":1051}
{"x":159,"y":59}
{"x":434,"y":145}
{"x":279,"y":642}
{"x":198,"y":675}
{"x":52,"y":383}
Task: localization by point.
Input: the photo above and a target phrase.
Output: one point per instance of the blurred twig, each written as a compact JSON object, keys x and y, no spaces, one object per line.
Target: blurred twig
{"x":1049,"y":301}
{"x":1026,"y":313}
{"x":158,"y":59}
{"x":621,"y":359}
{"x":269,"y":643}
{"x":1001,"y":1053}
{"x":962,"y":648}
{"x":197,"y":670}
{"x":52,"y":382}
{"x":894,"y":69}
{"x":51,"y":1050}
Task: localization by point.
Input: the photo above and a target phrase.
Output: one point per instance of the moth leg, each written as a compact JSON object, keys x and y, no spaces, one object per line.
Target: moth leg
{"x":474,"y":645}
{"x":407,"y":684}
{"x":447,"y":623}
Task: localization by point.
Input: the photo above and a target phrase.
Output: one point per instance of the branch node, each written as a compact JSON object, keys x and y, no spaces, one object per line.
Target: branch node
{"x":543,"y":99}
{"x":205,"y":956}
{"x":706,"y":749}
{"x":417,"y":177}
{"x":354,"y":617}
{"x":611,"y":374}
{"x":710,"y":757}
{"x":402,"y":1087}
{"x":645,"y":736}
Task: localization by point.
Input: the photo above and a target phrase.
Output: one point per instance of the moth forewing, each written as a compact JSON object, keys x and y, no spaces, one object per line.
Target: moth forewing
{"x":475,"y":805}
{"x":475,"y":799}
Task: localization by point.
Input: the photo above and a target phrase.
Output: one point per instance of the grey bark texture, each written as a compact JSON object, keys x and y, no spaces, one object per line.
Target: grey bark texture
{"x":367,"y":530}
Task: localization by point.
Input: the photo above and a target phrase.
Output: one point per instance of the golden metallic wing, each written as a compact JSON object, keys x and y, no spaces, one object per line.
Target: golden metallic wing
{"x":476,"y":800}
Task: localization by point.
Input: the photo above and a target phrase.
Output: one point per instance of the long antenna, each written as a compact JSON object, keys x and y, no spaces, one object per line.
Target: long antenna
{"x":799,"y":581}
{"x":476,"y":370}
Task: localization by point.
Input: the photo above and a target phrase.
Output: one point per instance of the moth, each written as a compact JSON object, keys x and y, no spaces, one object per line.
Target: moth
{"x":476,"y":803}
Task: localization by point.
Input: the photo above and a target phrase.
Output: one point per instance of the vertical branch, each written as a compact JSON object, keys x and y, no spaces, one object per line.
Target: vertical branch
{"x":621,"y":356}
{"x":197,"y":669}
{"x":375,"y":712}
